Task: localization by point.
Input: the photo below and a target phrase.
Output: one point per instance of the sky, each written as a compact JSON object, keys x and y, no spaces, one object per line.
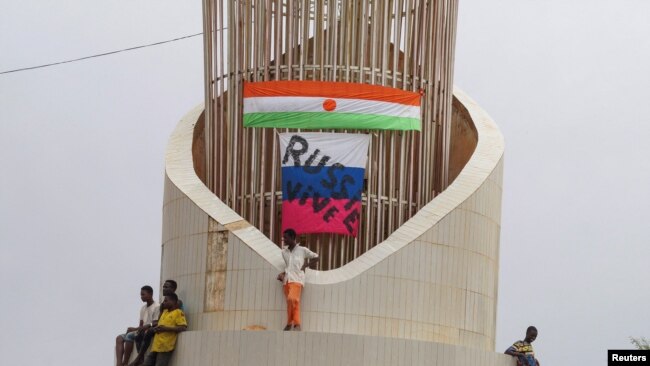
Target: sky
{"x":82,"y":158}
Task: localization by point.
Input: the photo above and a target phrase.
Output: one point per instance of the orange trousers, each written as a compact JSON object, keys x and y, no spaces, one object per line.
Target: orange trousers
{"x":292,"y":292}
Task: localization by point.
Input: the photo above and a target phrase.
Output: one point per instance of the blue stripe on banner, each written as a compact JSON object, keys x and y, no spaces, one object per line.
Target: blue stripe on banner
{"x":335,"y":181}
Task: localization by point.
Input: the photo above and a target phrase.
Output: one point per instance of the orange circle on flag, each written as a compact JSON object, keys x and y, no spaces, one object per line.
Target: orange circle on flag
{"x":329,"y":105}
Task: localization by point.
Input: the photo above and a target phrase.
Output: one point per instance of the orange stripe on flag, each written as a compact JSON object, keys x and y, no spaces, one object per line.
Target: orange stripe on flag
{"x":330,"y":89}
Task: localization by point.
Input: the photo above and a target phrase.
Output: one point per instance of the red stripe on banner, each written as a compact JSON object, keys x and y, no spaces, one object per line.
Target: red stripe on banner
{"x":330,"y":89}
{"x":329,"y":216}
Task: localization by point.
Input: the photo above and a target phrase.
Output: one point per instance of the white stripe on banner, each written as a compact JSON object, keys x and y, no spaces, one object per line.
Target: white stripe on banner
{"x":342,"y":105}
{"x":348,"y":149}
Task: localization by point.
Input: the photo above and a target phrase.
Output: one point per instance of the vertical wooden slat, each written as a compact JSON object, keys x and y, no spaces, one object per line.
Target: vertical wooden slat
{"x":208,"y":76}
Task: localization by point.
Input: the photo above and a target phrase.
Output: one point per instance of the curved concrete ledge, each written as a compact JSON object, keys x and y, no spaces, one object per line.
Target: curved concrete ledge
{"x":486,"y":157}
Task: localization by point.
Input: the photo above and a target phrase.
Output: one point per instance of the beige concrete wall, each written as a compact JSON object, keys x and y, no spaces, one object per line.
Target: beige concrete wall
{"x":276,"y":348}
{"x":434,"y":279}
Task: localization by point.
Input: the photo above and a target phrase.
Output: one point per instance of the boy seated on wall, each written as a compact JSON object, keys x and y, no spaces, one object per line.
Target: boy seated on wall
{"x":148,"y":313}
{"x":172,"y":321}
{"x":145,"y":337}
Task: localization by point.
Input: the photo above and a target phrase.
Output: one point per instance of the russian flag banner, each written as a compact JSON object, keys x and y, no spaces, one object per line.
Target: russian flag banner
{"x":322,"y":181}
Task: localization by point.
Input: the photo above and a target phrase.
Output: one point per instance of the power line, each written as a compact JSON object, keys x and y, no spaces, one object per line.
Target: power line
{"x":101,"y":54}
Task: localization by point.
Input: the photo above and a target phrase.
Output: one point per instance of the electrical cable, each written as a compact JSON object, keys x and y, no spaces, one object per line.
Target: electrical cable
{"x":101,"y":54}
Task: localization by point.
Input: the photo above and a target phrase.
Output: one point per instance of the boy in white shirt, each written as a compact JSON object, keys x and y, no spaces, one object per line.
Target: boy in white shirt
{"x":148,"y":313}
{"x":297,"y":258}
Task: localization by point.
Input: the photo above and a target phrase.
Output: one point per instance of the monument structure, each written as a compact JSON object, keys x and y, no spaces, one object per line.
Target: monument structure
{"x":417,"y":282}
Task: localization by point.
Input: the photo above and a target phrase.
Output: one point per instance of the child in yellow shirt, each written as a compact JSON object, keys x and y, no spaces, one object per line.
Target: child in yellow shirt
{"x":172,"y":321}
{"x":523,"y":350}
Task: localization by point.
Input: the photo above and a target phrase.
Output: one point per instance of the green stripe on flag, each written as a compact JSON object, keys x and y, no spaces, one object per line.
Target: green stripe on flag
{"x":318,"y":120}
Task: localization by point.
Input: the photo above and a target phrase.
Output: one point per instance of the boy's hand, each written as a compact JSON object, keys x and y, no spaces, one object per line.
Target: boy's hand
{"x":281,"y":277}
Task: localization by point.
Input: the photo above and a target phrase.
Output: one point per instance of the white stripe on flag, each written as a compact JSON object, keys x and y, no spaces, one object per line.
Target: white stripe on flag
{"x":315,"y":104}
{"x":349,"y":149}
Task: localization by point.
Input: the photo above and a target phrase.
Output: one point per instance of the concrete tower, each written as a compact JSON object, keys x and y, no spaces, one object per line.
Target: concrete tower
{"x":418,"y":285}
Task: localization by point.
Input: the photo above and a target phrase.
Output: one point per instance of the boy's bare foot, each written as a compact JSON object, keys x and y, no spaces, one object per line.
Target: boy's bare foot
{"x":288,"y":327}
{"x":297,"y":328}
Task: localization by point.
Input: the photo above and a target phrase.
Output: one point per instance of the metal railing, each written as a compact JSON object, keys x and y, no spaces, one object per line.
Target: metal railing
{"x":406,"y":44}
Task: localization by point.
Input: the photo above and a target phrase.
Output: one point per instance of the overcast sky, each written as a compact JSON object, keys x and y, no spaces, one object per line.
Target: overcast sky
{"x":82,"y":158}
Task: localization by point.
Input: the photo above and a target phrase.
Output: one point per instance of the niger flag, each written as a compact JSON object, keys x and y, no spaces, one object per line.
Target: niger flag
{"x":329,"y":104}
